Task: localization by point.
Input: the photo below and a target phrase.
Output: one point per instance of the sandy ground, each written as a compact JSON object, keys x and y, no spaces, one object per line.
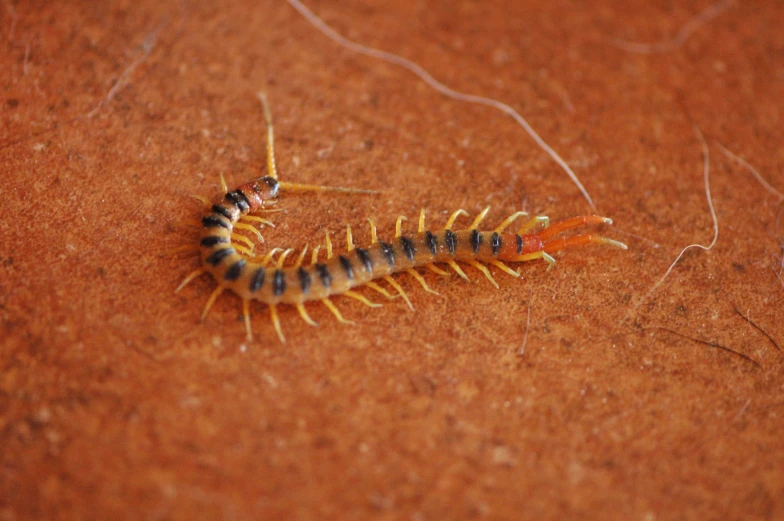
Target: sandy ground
{"x":631,"y":400}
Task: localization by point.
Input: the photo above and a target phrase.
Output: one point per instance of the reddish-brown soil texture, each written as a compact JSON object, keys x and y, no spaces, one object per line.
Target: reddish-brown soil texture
{"x":630,"y":401}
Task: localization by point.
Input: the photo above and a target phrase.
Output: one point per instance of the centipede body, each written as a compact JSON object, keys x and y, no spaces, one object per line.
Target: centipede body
{"x":269,"y":281}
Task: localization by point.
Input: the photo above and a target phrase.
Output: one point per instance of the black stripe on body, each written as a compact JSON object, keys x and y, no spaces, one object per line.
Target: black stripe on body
{"x":212,"y":240}
{"x":364,"y":258}
{"x":408,"y":247}
{"x":304,"y":280}
{"x":324,"y":275}
{"x":347,"y":267}
{"x":278,"y":283}
{"x":213,"y":221}
{"x":235,"y":270}
{"x":388,"y":251}
{"x":217,"y":256}
{"x":496,"y":243}
{"x":239,"y":199}
{"x":451,"y":241}
{"x":476,"y":240}
{"x":222,"y":210}
{"x":432,"y":243}
{"x":519,"y":240}
{"x":257,"y":280}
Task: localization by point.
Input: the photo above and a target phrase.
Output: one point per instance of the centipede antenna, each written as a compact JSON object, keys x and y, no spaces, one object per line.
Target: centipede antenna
{"x":276,"y":323}
{"x":187,"y":280}
{"x":202,"y":199}
{"x":392,"y":282}
{"x":479,"y":219}
{"x":485,"y":271}
{"x":399,"y":225}
{"x":246,"y":317}
{"x":300,"y":187}
{"x":272,"y":170}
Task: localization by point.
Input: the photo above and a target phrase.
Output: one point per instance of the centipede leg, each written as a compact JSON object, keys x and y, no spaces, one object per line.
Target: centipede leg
{"x":454,"y":266}
{"x":421,"y":281}
{"x":453,"y":217}
{"x":282,"y":258}
{"x":314,"y":256}
{"x":399,"y":225}
{"x":532,"y":223}
{"x":349,"y":239}
{"x":301,"y":257}
{"x":373,"y":232}
{"x":568,"y":224}
{"x":246,"y":317}
{"x":248,"y":227}
{"x":276,"y":323}
{"x":328,"y":246}
{"x":376,"y":287}
{"x":335,"y":311}
{"x":211,"y":300}
{"x":268,"y":256}
{"x":361,"y":298}
{"x":479,"y":219}
{"x":244,"y":240}
{"x":436,"y":269}
{"x":392,"y":282}
{"x":260,"y":220}
{"x":485,"y":271}
{"x":509,"y":220}
{"x":187,"y":280}
{"x":304,"y":314}
{"x":580,"y":240}
{"x":503,"y":267}
{"x":540,"y":255}
{"x":224,"y":187}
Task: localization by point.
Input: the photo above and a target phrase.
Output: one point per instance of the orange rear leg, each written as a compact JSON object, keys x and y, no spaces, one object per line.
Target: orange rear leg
{"x":556,"y":228}
{"x":580,"y":240}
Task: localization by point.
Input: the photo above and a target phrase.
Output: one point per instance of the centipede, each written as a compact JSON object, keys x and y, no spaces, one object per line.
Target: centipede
{"x":294,"y":281}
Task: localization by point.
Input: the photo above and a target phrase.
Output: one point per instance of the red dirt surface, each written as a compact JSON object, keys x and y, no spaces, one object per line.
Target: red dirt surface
{"x":628,"y":402}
